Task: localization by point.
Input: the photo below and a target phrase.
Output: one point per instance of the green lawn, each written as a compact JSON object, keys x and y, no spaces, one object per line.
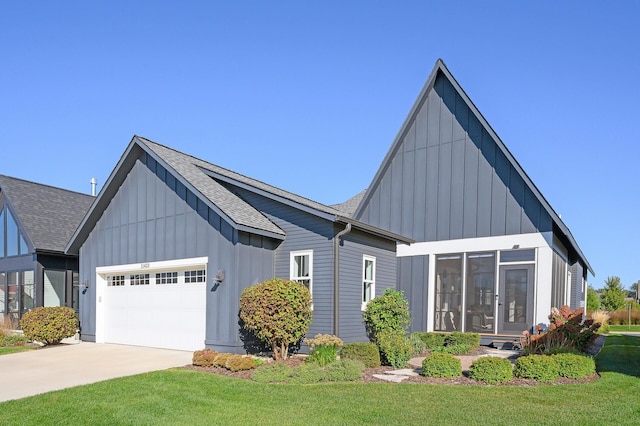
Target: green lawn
{"x":186,"y":397}
{"x":616,"y":328}
{"x":13,"y":349}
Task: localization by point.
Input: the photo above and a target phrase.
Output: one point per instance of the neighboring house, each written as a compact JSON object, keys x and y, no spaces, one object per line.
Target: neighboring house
{"x":171,"y":242}
{"x":36,"y":222}
{"x":491,"y":255}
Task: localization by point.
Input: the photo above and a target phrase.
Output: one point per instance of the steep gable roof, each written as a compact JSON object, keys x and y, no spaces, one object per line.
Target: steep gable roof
{"x":207,"y":181}
{"x":440,"y":69}
{"x":49,"y":215}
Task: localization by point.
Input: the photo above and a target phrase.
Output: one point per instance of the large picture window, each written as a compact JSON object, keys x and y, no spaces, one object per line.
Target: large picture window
{"x":480,"y":295}
{"x":368,"y":279}
{"x":302,"y":268}
{"x":54,"y":288}
{"x":448,"y":294}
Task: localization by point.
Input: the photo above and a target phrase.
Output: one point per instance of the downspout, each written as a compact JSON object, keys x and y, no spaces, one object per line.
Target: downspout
{"x":336,"y":278}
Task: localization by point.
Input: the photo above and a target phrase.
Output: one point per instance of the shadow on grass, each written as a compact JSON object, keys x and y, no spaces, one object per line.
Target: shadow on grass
{"x":620,"y":355}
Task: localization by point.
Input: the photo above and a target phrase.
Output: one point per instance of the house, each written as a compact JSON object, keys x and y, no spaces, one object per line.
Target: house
{"x":490,"y":253}
{"x":36,"y":222}
{"x":171,"y":241}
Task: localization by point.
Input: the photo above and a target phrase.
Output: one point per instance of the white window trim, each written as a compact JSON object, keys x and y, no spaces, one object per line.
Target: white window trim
{"x":366,"y":258}
{"x":292,"y":257}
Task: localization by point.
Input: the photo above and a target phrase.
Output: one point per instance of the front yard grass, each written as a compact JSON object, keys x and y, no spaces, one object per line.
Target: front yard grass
{"x":181,"y":396}
{"x":623,"y":328}
{"x":13,"y":349}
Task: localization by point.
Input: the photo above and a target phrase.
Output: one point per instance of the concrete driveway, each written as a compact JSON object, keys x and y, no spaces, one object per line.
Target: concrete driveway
{"x":44,"y":370}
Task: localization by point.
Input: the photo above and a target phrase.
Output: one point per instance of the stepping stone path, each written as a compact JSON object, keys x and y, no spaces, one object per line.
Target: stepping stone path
{"x":398,"y":376}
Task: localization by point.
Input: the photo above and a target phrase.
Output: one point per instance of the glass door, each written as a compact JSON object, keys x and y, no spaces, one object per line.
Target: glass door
{"x":515,"y":300}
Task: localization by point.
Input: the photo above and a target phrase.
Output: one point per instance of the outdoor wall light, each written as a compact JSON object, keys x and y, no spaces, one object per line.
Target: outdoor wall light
{"x":217,"y":280}
{"x":85,"y":286}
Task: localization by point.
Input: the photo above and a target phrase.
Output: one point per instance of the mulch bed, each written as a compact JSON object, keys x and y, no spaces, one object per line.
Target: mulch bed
{"x":367,"y":374}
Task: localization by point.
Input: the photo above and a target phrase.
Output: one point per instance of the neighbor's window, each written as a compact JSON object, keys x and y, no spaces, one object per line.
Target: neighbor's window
{"x":139,"y":279}
{"x":115,"y":280}
{"x":167,"y":278}
{"x":368,"y":279}
{"x":198,"y":276}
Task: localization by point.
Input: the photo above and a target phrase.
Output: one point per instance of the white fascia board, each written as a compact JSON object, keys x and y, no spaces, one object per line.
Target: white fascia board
{"x":146,"y":266}
{"x":502,"y":242}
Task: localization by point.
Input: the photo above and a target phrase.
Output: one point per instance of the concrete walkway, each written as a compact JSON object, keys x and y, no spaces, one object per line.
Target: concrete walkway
{"x":44,"y":370}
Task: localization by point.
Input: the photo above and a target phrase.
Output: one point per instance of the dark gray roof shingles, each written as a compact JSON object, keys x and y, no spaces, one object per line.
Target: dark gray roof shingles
{"x":49,"y":215}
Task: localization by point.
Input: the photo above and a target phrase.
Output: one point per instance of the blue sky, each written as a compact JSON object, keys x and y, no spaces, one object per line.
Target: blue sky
{"x":308,"y":96}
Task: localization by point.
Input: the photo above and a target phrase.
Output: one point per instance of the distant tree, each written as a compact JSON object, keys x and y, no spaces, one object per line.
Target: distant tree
{"x":613,"y":294}
{"x":593,"y":300}
{"x":633,"y":291}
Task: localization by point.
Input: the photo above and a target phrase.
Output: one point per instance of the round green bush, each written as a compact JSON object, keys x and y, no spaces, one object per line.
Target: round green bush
{"x":575,"y":366}
{"x":395,"y":348}
{"x":49,"y":325}
{"x":367,"y":353}
{"x":542,"y":368}
{"x":432,"y":340}
{"x":459,"y":338}
{"x":388,"y":312}
{"x":441,"y":365}
{"x":491,"y":369}
{"x":204,"y":357}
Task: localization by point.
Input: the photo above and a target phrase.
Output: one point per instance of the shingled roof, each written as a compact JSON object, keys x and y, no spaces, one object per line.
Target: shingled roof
{"x":48,"y":214}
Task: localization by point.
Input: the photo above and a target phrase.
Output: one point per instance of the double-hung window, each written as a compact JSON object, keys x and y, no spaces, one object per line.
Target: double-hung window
{"x":368,"y":279}
{"x":302,"y":268}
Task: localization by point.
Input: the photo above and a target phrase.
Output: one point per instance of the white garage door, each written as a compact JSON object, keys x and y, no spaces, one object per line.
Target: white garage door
{"x":156,"y":308}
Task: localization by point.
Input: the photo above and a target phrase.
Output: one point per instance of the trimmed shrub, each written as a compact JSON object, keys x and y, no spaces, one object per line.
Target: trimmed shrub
{"x":542,"y":368}
{"x":460,"y":349}
{"x":459,"y":338}
{"x":278,"y":312}
{"x":204,"y":357}
{"x":388,"y":312}
{"x":324,"y":348}
{"x":431,"y":340}
{"x":221,"y":360}
{"x":239,"y":362}
{"x":417,"y":345}
{"x":441,"y":365}
{"x":565,"y":350}
{"x":367,"y":353}
{"x":575,"y":366}
{"x":395,"y":348}
{"x":49,"y":325}
{"x":11,"y":340}
{"x":491,"y":369}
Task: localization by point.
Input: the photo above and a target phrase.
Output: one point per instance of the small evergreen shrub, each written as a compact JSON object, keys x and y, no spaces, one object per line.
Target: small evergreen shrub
{"x":542,"y":368}
{"x":11,"y":340}
{"x":565,"y":350}
{"x":49,"y":325}
{"x":367,"y":353}
{"x":459,"y":338}
{"x":388,"y":312}
{"x":575,"y":366}
{"x":417,"y":345}
{"x":204,"y":357}
{"x":395,"y":348}
{"x":239,"y":363}
{"x":441,"y":365}
{"x":432,"y":340}
{"x":459,"y":349}
{"x":220,"y":360}
{"x":491,"y":369}
{"x":324,"y":348}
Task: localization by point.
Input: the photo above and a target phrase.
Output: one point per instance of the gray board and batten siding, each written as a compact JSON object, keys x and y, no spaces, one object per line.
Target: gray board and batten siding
{"x":448,"y":176}
{"x":160,"y":205}
{"x":154,"y":217}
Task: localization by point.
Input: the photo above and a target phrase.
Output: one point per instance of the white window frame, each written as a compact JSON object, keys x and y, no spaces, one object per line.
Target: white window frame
{"x":195,"y":276}
{"x":372,"y":282}
{"x":292,"y":275}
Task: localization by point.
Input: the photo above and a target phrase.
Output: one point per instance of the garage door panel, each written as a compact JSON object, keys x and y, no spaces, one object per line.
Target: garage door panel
{"x":158,"y":315}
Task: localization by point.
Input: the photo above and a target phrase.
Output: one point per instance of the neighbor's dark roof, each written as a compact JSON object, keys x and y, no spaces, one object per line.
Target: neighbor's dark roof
{"x":348,"y":208}
{"x":49,"y":215}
